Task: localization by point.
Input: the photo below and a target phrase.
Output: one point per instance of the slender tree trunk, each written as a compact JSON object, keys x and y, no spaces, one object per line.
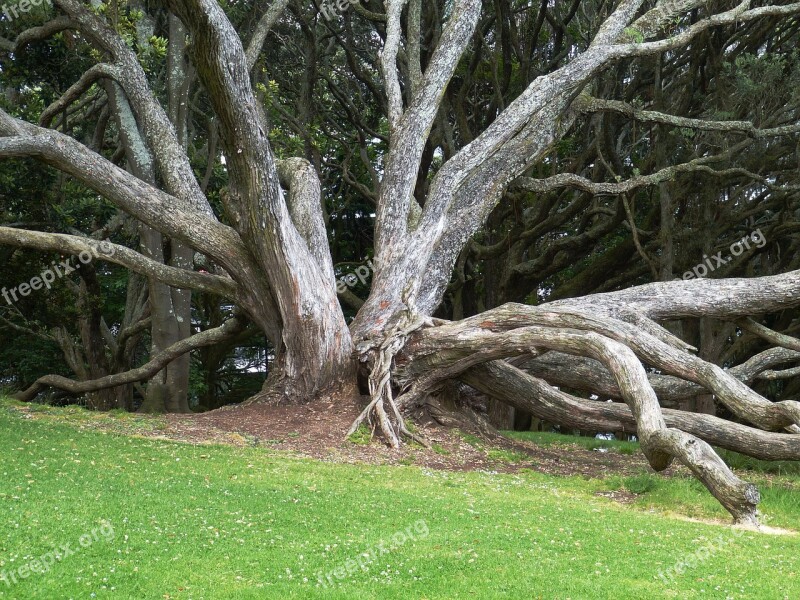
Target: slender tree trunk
{"x":89,"y":326}
{"x":170,"y":312}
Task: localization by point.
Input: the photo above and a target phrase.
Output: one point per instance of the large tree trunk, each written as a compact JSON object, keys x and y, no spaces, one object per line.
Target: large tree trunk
{"x":291,"y":274}
{"x":89,"y":326}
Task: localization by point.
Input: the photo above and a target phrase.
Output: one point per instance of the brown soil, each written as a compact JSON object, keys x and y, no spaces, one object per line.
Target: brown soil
{"x":317,"y":430}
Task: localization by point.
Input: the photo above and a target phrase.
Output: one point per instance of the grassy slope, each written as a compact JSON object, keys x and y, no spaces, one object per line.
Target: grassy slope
{"x":778,"y":482}
{"x":223,"y":522}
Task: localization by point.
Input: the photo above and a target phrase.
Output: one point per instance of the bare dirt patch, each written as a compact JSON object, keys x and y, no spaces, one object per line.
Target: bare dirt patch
{"x":317,"y":430}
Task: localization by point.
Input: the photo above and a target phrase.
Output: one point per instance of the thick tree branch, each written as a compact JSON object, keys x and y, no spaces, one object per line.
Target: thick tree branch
{"x":717,"y":298}
{"x":134,"y":196}
{"x":659,"y":443}
{"x":410,"y":129}
{"x":785,"y":374}
{"x":614,"y":189}
{"x":664,"y":12}
{"x":773,"y":337}
{"x":525,"y":392}
{"x":391,"y":46}
{"x":264,"y":26}
{"x":171,"y":159}
{"x":40,"y":32}
{"x":739,"y":14}
{"x":588,"y":104}
{"x":651,"y":348}
{"x":590,"y":376}
{"x":121,"y":255}
{"x":298,"y":176}
{"x":75,"y":91}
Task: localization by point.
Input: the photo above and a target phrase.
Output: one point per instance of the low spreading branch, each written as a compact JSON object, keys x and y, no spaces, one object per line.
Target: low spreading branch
{"x":207,"y":338}
{"x":510,"y":385}
{"x":563,"y":333}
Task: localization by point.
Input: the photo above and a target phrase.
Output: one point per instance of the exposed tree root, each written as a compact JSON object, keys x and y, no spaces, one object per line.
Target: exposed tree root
{"x":458,"y":416}
{"x":380,"y":357}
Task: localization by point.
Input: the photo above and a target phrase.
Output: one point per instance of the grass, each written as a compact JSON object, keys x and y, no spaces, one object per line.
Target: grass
{"x":746,"y":463}
{"x":208,"y":522}
{"x":641,"y":483}
{"x":472,"y":440}
{"x":360,"y":436}
{"x":439,"y":449}
{"x":498,"y":454}
{"x":684,"y":495}
{"x":509,"y":456}
{"x":119,"y":421}
{"x":541,"y":438}
{"x":733,"y":459}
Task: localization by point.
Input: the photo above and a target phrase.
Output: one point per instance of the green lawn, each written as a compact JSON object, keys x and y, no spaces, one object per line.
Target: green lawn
{"x":778,"y":481}
{"x":225,"y":522}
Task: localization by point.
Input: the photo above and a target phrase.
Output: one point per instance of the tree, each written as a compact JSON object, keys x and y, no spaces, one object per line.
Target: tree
{"x":269,"y":245}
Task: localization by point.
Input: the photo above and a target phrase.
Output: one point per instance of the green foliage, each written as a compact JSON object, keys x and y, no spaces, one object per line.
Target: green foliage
{"x":197,"y":382}
{"x":509,"y":456}
{"x":759,"y":85}
{"x":568,"y":146}
{"x":21,"y":365}
{"x":471,"y":439}
{"x":755,"y":75}
{"x":634,"y":35}
{"x":439,"y":449}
